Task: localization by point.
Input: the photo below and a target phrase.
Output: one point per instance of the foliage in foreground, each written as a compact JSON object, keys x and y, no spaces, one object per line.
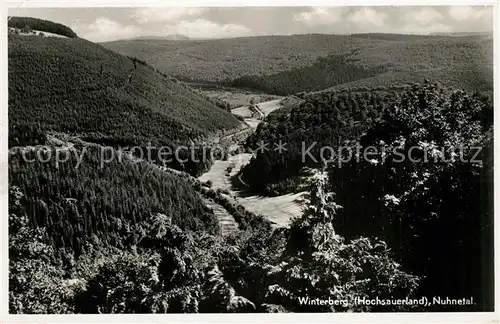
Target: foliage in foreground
{"x":427,"y":191}
{"x":316,"y":262}
{"x":173,"y":270}
{"x":435,"y":215}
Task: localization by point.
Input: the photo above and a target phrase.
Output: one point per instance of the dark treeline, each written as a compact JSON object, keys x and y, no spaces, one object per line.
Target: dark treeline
{"x":41,"y":25}
{"x":322,"y":120}
{"x":79,"y":201}
{"x":324,"y":73}
{"x":436,"y":215}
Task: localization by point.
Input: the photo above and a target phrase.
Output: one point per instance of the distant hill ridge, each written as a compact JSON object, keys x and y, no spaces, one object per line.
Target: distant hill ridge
{"x":283,"y":65}
{"x":176,"y":37}
{"x":463,"y":34}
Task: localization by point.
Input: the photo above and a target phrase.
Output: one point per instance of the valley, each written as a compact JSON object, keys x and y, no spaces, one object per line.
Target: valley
{"x":278,"y":210}
{"x":222,"y":175}
{"x":168,"y":174}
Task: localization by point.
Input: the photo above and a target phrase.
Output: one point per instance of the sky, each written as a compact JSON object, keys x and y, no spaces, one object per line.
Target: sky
{"x":107,"y":24}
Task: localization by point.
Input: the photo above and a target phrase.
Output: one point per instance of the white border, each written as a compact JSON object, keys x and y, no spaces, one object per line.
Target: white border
{"x":490,"y":318}
{"x":237,"y":3}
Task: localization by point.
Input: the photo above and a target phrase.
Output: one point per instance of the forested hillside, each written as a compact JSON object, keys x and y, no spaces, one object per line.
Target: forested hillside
{"x":459,"y":62}
{"x":425,"y":188}
{"x":325,"y":72}
{"x":229,"y":59}
{"x":82,"y":200}
{"x":323,"y":119}
{"x":77,"y":87}
{"x":98,"y":251}
{"x":290,"y":64}
{"x":126,"y":236}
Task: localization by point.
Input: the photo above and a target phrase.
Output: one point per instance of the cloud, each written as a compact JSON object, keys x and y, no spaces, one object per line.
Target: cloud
{"x":463,"y":13}
{"x":122,"y":23}
{"x":202,"y":28}
{"x":424,"y":16}
{"x":156,"y":15}
{"x":412,"y":28}
{"x":424,"y":21}
{"x":104,"y":29}
{"x":319,"y":16}
{"x":367,"y":16}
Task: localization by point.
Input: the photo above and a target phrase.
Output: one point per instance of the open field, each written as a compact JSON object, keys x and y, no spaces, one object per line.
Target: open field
{"x":269,"y":106}
{"x":254,"y":118}
{"x":278,"y":210}
{"x":237,"y":97}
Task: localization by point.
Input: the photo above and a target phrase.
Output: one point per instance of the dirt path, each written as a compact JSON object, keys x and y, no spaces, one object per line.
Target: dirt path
{"x":226,"y":221}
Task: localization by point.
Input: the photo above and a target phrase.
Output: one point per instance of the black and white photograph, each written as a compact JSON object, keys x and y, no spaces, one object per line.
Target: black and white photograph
{"x":173,"y":160}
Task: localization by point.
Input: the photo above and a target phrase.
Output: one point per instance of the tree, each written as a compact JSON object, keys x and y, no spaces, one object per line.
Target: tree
{"x":416,"y":194}
{"x":36,"y":284}
{"x":27,"y":29}
{"x":315,"y":262}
